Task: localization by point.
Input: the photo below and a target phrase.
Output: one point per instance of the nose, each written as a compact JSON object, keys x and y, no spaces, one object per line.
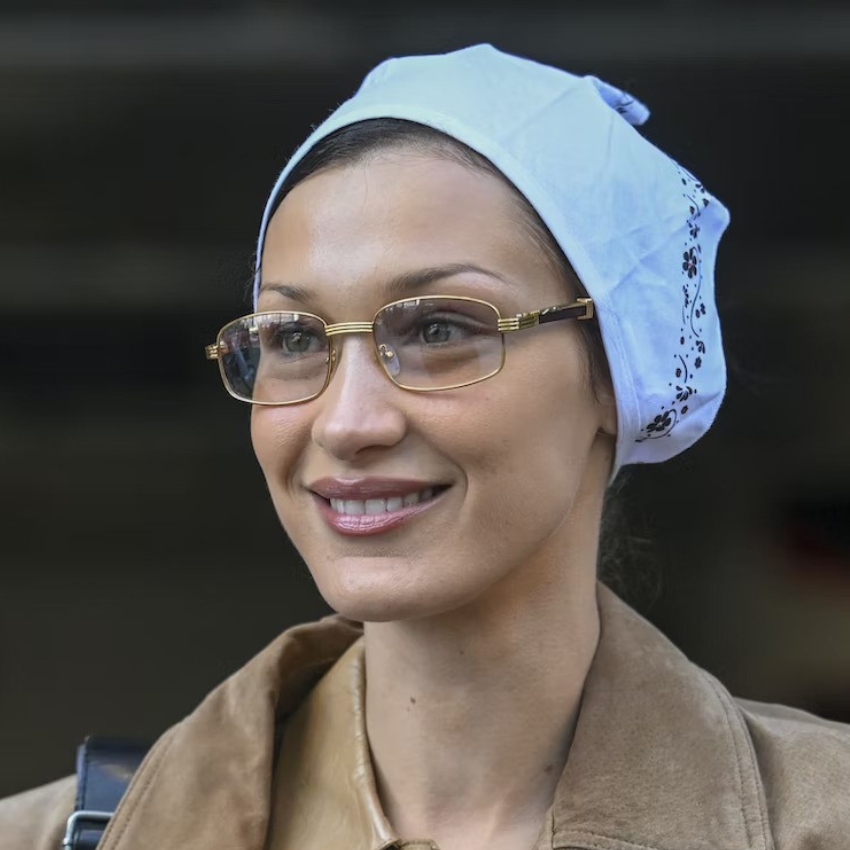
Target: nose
{"x":361,"y":407}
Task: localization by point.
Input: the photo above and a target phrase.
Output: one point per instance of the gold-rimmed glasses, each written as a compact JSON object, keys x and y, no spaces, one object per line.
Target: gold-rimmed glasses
{"x":440,"y":342}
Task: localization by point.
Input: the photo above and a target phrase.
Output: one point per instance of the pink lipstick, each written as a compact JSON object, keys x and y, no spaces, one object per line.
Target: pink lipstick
{"x":372,"y":505}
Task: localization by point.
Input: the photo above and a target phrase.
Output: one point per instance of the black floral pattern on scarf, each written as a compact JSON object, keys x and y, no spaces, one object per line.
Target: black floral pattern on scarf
{"x":691,"y":348}
{"x":662,"y":422}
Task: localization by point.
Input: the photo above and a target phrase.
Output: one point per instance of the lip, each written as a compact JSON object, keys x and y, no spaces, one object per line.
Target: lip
{"x":361,"y":525}
{"x":369,"y":488}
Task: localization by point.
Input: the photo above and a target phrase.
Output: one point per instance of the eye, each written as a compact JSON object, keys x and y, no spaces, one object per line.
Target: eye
{"x":439,"y":324}
{"x":294,"y":338}
{"x":447,"y":328}
{"x":437,"y":332}
{"x":297,"y":342}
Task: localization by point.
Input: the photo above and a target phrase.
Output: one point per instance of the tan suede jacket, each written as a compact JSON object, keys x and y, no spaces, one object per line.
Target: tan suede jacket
{"x":662,"y":759}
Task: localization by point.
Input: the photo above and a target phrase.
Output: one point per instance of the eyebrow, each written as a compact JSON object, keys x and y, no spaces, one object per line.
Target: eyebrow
{"x":398,"y":286}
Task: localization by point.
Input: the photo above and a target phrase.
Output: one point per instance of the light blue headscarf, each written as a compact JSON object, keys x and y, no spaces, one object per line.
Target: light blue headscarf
{"x":640,"y":231}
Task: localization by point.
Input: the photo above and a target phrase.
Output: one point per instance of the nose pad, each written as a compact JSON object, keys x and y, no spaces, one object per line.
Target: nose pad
{"x":389,"y":359}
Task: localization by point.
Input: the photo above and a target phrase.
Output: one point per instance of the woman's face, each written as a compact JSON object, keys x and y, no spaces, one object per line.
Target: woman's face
{"x":515,"y":465}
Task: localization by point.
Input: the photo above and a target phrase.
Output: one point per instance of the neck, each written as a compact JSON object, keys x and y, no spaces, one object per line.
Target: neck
{"x":470,"y":714}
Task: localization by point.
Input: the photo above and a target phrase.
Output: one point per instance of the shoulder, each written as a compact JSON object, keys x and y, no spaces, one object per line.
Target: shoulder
{"x":804,"y":764}
{"x":780,"y":774}
{"x":36,"y":819}
{"x":233,"y":725}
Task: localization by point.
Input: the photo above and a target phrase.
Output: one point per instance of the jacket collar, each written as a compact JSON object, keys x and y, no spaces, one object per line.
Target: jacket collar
{"x":324,"y":791}
{"x":207,"y":782}
{"x":661,"y":757}
{"x":660,"y":760}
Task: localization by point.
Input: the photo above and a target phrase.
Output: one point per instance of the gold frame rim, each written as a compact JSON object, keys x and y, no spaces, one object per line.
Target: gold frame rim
{"x":504,"y":324}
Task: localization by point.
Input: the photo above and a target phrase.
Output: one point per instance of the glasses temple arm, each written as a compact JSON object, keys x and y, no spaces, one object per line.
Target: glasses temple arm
{"x":581,"y":309}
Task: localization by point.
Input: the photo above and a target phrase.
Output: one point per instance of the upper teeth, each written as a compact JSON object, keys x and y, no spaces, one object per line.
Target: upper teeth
{"x":379,"y":506}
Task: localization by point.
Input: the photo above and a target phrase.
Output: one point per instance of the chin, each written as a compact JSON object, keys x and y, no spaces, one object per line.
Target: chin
{"x":372,"y":593}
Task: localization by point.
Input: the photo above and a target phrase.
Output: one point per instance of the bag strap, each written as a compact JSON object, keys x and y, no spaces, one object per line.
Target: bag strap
{"x":105,"y":767}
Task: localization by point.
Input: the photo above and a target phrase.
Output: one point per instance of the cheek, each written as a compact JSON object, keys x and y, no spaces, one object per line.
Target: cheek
{"x":522,"y":447}
{"x":533,"y":445}
{"x":277,"y":435}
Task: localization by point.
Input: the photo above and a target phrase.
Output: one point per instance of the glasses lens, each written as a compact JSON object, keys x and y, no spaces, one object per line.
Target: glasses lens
{"x":274,"y":358}
{"x":439,"y":343}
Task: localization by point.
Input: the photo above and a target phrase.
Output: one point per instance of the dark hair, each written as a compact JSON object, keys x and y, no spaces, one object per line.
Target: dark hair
{"x":356,"y":142}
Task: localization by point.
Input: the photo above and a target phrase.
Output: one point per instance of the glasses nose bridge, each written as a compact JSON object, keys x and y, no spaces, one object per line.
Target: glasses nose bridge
{"x":343,"y":328}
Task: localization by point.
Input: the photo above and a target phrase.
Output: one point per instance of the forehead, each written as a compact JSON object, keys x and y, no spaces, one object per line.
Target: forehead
{"x":346,"y":231}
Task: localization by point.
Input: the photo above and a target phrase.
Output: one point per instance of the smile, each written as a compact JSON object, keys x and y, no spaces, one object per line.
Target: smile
{"x":373,"y":507}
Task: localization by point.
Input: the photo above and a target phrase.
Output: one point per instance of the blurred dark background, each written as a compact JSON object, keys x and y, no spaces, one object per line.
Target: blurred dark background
{"x":140,"y":559}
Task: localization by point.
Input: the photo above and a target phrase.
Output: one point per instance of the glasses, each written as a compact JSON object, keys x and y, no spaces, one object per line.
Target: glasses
{"x":441,"y":342}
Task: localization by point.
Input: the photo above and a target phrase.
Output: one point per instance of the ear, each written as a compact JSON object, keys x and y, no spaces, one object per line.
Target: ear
{"x":607,"y":410}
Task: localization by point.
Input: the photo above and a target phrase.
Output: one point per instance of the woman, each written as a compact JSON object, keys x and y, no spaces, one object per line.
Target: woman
{"x":480,"y":292}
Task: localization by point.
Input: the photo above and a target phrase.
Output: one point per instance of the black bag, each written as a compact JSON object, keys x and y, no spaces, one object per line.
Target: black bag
{"x":105,"y":767}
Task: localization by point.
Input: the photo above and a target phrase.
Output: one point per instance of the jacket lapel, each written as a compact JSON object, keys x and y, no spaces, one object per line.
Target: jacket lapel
{"x":325,"y":793}
{"x":661,"y":757}
{"x":207,"y":782}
